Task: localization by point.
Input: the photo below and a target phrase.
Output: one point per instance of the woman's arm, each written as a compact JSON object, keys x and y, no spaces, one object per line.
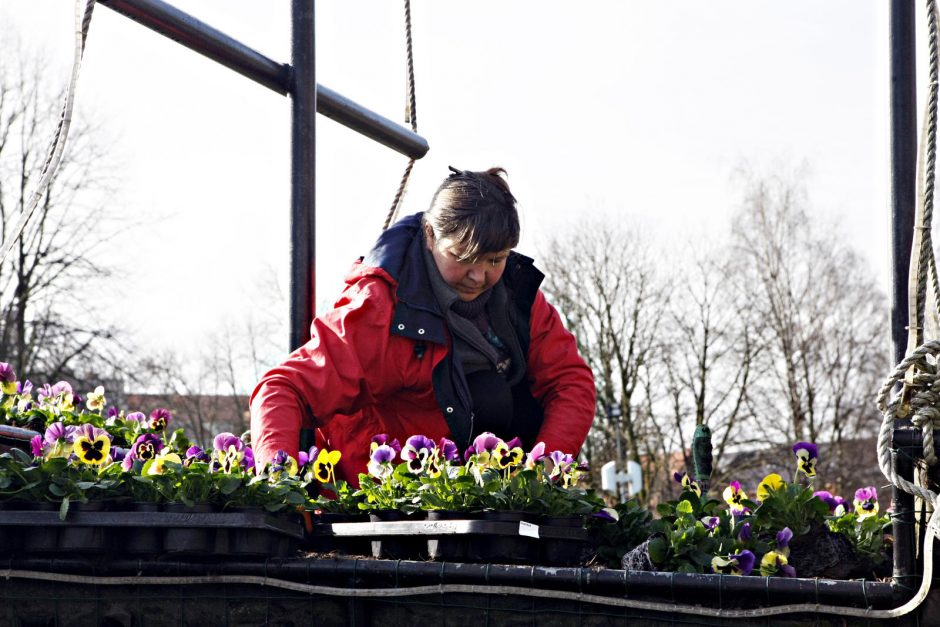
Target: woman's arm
{"x":339,"y":370}
{"x":561,"y":380}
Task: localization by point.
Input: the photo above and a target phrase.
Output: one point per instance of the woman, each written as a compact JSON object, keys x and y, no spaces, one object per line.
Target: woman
{"x":442,"y":331}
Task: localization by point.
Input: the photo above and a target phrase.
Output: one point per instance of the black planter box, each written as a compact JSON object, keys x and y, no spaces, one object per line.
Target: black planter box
{"x":473,"y":540}
{"x":209,"y":534}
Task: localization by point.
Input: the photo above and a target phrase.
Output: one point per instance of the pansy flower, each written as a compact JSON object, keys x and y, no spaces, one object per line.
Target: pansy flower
{"x":248,"y":458}
{"x":608,"y":513}
{"x":57,"y":441}
{"x":229,"y":451}
{"x":91,"y":445}
{"x":35,"y":444}
{"x":382,"y":438}
{"x":381,"y":461}
{"x":448,"y":450}
{"x":137,"y":416}
{"x":740,"y":564}
{"x":195,"y":454}
{"x":7,"y":379}
{"x":534,"y":456}
{"x":483,"y":449}
{"x":282,"y":463}
{"x":770,"y":483}
{"x":687,"y":483}
{"x":733,"y":496}
{"x":146,"y":447}
{"x":112,"y":413}
{"x":157,"y":466}
{"x":305,"y":457}
{"x":866,"y":502}
{"x":324,"y":466}
{"x":159,"y":419}
{"x":773,"y":563}
{"x":783,"y":541}
{"x":508,"y":454}
{"x":711,"y":523}
{"x":96,"y":400}
{"x":417,"y":451}
{"x":806,"y":457}
{"x":744,"y":532}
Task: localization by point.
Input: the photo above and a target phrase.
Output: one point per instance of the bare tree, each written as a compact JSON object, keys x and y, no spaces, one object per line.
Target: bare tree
{"x":51,"y":282}
{"x":707,"y":362}
{"x":819,"y":319}
{"x":603,"y":279}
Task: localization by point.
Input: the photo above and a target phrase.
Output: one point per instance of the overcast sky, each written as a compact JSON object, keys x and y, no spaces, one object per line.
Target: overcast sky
{"x":641,"y":111}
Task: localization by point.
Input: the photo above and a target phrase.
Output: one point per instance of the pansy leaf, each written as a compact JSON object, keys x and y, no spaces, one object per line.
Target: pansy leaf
{"x":657,"y":550}
{"x":684,"y":507}
{"x":229,"y":484}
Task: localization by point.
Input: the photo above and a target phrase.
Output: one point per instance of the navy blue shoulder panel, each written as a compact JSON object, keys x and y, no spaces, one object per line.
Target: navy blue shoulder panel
{"x":390,"y":251}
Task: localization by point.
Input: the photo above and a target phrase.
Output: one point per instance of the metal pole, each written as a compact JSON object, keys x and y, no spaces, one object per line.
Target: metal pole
{"x":216,"y":45}
{"x":903,"y":164}
{"x":903,"y":180}
{"x":303,"y":172}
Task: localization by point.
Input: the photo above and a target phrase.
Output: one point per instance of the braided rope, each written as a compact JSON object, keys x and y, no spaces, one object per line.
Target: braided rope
{"x":411,"y":116}
{"x":54,"y":156}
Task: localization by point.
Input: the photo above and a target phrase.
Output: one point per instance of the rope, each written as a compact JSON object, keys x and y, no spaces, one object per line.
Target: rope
{"x":411,"y":116}
{"x":923,"y":266}
{"x":54,"y":157}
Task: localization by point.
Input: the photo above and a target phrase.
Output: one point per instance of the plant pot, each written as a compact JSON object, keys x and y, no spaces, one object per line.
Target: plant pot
{"x":9,"y":536}
{"x":450,"y":548}
{"x":563,"y":552}
{"x":142,"y":540}
{"x":826,"y":554}
{"x":39,"y":538}
{"x":188,"y":540}
{"x":321,"y":539}
{"x":247,"y":541}
{"x":505,"y":549}
{"x":86,"y":538}
{"x":398,"y":547}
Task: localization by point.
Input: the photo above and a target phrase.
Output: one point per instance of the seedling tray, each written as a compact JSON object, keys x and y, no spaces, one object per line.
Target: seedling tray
{"x":150,"y":533}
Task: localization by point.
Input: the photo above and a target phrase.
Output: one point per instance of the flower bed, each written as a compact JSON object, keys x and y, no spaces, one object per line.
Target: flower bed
{"x":91,"y":467}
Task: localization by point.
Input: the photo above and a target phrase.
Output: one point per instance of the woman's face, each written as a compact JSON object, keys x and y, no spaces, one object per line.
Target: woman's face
{"x":469,"y":278}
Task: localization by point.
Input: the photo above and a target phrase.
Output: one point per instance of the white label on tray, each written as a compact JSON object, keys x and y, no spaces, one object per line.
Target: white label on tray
{"x":528,"y":529}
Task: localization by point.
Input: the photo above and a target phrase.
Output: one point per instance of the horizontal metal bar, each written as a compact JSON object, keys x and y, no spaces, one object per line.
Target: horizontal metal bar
{"x":206,"y":40}
{"x":216,"y":45}
{"x":343,"y":110}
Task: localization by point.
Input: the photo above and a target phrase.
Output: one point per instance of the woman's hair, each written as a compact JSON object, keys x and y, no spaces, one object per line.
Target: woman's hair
{"x":476,"y":211}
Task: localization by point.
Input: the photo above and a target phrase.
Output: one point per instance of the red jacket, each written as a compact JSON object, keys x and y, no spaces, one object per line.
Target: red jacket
{"x":362,"y":374}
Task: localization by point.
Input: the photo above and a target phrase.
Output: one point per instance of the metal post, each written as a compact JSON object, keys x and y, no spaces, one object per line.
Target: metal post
{"x":903,"y":181}
{"x":303,"y":172}
{"x":903,"y":164}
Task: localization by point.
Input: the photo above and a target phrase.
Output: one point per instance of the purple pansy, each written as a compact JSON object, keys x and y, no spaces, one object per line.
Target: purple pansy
{"x":24,"y":388}
{"x":740,"y":564}
{"x":136,"y":416}
{"x":381,"y":460}
{"x":711,"y":522}
{"x":382,"y":438}
{"x":195,"y":453}
{"x":248,"y":458}
{"x":36,"y":445}
{"x":783,"y":541}
{"x":744,"y":532}
{"x":160,"y":418}
{"x":226,"y":439}
{"x":416,"y":451}
{"x":807,"y":454}
{"x":7,"y":378}
{"x":305,"y":457}
{"x":535,"y":455}
{"x":448,"y":450}
{"x":144,"y":448}
{"x":866,"y":502}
